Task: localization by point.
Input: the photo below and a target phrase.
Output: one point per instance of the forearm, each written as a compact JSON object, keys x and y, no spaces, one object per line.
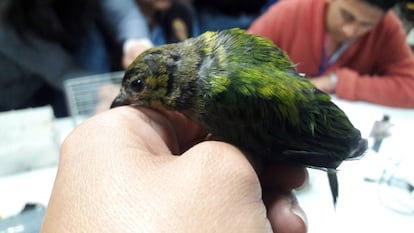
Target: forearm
{"x":390,"y":90}
{"x":124,"y":19}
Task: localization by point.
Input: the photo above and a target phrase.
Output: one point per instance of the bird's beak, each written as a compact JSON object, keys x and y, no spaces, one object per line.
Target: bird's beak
{"x":120,"y":100}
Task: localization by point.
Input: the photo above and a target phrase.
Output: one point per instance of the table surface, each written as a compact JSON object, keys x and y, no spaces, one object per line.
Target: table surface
{"x":362,"y":206}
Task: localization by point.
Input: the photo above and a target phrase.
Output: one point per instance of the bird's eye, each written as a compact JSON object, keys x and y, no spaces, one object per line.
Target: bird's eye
{"x":137,"y":85}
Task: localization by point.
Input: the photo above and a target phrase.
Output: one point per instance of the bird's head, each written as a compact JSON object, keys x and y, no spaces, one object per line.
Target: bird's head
{"x":149,"y":80}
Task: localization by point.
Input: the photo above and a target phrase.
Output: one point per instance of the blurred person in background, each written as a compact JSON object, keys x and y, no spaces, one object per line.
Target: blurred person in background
{"x":354,"y":48}
{"x":44,"y":42}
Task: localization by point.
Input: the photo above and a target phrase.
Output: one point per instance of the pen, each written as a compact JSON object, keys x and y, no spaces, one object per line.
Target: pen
{"x":381,"y":132}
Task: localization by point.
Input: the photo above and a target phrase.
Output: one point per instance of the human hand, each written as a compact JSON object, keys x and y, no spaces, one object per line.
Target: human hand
{"x":323,"y":83}
{"x":133,"y":48}
{"x":118,"y":173}
{"x":160,"y":4}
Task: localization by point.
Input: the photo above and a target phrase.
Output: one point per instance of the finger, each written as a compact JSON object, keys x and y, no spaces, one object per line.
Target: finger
{"x":224,"y":179}
{"x":127,"y":60}
{"x":175,"y":130}
{"x":188,"y":133}
{"x":163,"y":126}
{"x":284,"y":213}
{"x":124,"y":128}
{"x":294,"y":176}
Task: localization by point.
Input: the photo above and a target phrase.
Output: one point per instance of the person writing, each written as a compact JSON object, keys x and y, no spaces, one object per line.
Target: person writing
{"x":354,"y":48}
{"x":118,"y":173}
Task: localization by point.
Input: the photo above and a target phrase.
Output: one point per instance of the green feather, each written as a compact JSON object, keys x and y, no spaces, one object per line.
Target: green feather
{"x":244,"y":90}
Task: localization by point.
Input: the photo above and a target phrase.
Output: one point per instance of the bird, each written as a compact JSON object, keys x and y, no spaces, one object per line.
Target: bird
{"x":244,"y":90}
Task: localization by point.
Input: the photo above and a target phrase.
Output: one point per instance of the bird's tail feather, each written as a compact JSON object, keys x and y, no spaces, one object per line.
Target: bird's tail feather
{"x":333,"y":184}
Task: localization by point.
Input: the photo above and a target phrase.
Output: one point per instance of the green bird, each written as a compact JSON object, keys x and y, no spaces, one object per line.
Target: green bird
{"x":244,"y":90}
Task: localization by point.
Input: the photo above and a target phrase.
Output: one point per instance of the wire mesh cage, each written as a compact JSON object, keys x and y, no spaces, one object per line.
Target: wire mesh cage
{"x":82,"y":93}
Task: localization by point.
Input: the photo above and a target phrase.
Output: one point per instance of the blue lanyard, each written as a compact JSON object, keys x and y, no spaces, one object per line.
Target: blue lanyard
{"x":326,"y":62}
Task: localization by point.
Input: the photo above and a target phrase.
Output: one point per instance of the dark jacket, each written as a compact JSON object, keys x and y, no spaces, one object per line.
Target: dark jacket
{"x":30,"y":63}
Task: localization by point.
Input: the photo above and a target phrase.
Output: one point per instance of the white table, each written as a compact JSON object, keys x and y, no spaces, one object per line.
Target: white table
{"x":362,"y":205}
{"x":33,"y":186}
{"x":359,"y":207}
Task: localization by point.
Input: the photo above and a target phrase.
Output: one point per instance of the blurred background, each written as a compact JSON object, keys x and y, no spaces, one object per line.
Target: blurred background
{"x":61,"y":61}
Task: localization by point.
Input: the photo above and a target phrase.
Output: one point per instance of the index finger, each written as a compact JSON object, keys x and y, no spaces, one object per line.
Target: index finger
{"x":283,"y":176}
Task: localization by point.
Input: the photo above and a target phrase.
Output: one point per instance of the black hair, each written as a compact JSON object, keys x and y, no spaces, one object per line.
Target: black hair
{"x":232,"y":7}
{"x":385,"y":5}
